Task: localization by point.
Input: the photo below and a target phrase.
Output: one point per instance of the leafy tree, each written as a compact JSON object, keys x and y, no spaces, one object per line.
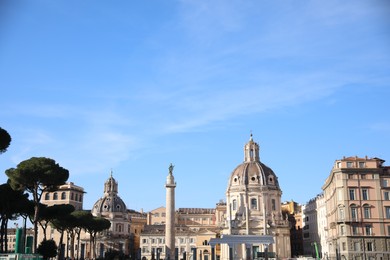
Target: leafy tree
{"x":47,"y":249}
{"x":95,"y":225}
{"x":12,"y":205}
{"x":36,"y":175}
{"x":82,"y":218}
{"x":50,"y":213}
{"x":62,"y":223}
{"x":5,"y":140}
{"x":71,"y":232}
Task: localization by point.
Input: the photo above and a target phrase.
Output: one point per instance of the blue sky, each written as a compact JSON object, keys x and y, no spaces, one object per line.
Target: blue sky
{"x":133,"y":86}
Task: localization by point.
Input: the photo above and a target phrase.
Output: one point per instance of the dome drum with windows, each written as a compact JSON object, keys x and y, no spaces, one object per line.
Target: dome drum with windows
{"x":110,"y":202}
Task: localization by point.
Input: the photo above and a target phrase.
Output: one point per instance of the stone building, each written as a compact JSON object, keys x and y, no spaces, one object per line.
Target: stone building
{"x":253,"y":198}
{"x":110,"y":206}
{"x":194,"y":227}
{"x":357,"y":199}
{"x":68,"y":193}
{"x":123,"y":237}
{"x":293,"y":211}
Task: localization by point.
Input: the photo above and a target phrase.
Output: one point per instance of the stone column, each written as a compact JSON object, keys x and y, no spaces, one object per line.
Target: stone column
{"x":170,"y":215}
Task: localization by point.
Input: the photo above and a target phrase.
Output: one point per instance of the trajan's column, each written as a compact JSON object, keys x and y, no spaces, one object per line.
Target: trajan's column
{"x":170,"y":215}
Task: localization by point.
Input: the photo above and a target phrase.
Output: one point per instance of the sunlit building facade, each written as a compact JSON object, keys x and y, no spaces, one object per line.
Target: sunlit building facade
{"x":357,"y":199}
{"x":253,"y":199}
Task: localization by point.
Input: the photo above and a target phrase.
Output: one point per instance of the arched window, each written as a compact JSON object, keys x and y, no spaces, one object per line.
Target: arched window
{"x":55,"y":196}
{"x":47,"y":196}
{"x":119,"y":227}
{"x":253,"y":203}
{"x":63,"y":195}
{"x":366,"y":211}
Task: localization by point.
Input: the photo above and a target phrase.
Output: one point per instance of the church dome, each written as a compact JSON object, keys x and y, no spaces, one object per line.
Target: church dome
{"x":252,"y":173}
{"x":110,"y":202}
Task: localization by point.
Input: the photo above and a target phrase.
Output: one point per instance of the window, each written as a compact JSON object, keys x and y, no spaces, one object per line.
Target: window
{"x":341,"y":213}
{"x":342,"y":230}
{"x":367,"y":211}
{"x":253,"y":203}
{"x":71,"y":196}
{"x":387,"y":212}
{"x":344,"y":245}
{"x":81,"y":198}
{"x":352,"y":194}
{"x":388,"y":230}
{"x":354,"y":230}
{"x":364,"y":194}
{"x":368,"y":230}
{"x":362,"y":164}
{"x":234,"y":205}
{"x":273,"y":204}
{"x":356,"y":246}
{"x":362,"y":176}
{"x":338,"y":164}
{"x":76,"y":197}
{"x":47,"y":196}
{"x":354,"y":213}
{"x":63,"y":195}
{"x":386,"y":195}
{"x":55,"y":196}
{"x":118,"y":227}
{"x":349,"y":164}
{"x":369,"y":246}
{"x":144,"y":241}
{"x":384,"y":183}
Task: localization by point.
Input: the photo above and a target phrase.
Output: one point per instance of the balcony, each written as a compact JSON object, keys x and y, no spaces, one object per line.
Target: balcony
{"x":349,"y":220}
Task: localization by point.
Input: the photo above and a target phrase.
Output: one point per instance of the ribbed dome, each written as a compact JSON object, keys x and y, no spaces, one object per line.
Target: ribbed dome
{"x":110,"y":202}
{"x":252,"y":173}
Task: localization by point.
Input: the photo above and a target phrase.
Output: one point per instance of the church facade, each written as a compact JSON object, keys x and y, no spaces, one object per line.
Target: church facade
{"x":253,"y":199}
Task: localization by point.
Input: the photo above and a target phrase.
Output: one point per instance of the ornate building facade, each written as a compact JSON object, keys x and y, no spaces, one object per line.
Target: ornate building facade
{"x":253,"y":198}
{"x":357,"y":199}
{"x":111,"y":207}
{"x":123,"y":237}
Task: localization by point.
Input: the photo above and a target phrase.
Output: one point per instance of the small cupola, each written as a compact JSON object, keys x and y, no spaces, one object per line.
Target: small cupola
{"x":251,"y":151}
